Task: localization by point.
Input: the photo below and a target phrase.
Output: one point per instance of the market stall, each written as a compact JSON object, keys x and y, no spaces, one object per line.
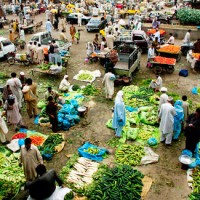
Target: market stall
{"x":160,"y":64}
{"x":170,"y":51}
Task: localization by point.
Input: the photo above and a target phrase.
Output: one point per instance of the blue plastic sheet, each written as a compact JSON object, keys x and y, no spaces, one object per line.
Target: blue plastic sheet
{"x":21,"y":142}
{"x":97,"y":157}
{"x":152,"y":141}
{"x":23,"y":130}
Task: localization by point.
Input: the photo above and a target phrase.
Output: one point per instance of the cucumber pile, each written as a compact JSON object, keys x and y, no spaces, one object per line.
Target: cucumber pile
{"x":119,"y":183}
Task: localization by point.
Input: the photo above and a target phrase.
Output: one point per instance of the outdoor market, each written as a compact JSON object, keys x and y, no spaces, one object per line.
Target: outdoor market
{"x":99,"y":100}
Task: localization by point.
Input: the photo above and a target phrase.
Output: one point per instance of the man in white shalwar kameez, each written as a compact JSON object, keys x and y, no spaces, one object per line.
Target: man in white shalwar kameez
{"x":166,"y":118}
{"x":156,"y":84}
{"x":163,"y":97}
{"x":15,"y":86}
{"x":108,"y":82}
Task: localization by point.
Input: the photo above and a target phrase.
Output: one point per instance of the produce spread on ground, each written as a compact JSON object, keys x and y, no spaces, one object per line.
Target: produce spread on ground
{"x":104,"y":167}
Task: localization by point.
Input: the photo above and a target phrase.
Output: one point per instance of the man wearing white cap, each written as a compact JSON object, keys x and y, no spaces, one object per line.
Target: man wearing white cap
{"x":163,"y":97}
{"x":166,"y":119}
{"x":64,"y":84}
{"x":22,"y":78}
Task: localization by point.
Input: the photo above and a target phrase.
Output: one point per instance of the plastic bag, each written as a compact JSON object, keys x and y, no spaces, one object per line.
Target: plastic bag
{"x":152,"y":142}
{"x":150,"y":156}
{"x":187,"y":152}
{"x":132,"y":133}
{"x":96,"y":157}
{"x":194,"y":90}
{"x":21,"y":142}
{"x":74,"y":103}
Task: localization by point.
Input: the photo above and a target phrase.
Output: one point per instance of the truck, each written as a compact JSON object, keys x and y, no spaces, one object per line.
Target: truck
{"x":6,"y":47}
{"x":128,"y":60}
{"x":133,"y":37}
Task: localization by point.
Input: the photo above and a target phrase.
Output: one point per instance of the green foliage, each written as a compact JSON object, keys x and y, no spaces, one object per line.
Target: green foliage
{"x":189,"y":16}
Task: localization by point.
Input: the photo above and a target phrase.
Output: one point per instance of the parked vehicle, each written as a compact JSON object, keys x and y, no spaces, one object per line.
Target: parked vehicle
{"x":129,"y":60}
{"x":133,"y":37}
{"x":44,"y":37}
{"x":96,"y":24}
{"x":19,"y":58}
{"x":6,"y":47}
{"x":162,"y":18}
{"x":73,"y":18}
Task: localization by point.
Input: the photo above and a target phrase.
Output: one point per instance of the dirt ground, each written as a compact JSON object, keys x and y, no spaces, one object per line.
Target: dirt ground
{"x":169,"y":180}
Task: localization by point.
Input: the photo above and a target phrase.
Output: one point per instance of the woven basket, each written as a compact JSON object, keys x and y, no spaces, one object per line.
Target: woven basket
{"x":48,"y":124}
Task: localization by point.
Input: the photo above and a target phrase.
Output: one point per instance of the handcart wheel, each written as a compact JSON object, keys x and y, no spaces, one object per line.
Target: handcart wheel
{"x":179,"y":57}
{"x":157,"y":69}
{"x":170,"y":69}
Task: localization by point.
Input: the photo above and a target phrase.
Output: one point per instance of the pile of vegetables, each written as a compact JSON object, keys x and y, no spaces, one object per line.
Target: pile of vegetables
{"x":195,"y":184}
{"x":37,"y":140}
{"x":18,"y":136}
{"x":163,"y":60}
{"x":79,"y":173}
{"x":76,"y":87}
{"x":11,"y":175}
{"x":196,"y":55}
{"x":41,"y":104}
{"x":129,"y":154}
{"x":90,"y":90}
{"x":188,"y":16}
{"x":173,"y":49}
{"x":45,"y":66}
{"x":121,"y":182}
{"x":152,"y":31}
{"x":51,"y":142}
{"x":92,"y":150}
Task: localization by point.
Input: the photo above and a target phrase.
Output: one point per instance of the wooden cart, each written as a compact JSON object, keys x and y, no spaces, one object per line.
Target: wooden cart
{"x":159,"y":67}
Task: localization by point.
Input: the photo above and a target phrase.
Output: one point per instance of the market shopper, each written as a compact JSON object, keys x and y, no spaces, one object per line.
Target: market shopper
{"x":51,"y":92}
{"x":63,"y":24}
{"x":63,"y":36}
{"x":171,"y":39}
{"x":166,"y":119}
{"x":163,"y":97}
{"x":119,"y":117}
{"x":110,"y":40}
{"x":15,"y":86}
{"x":30,"y":96}
{"x":192,"y":130}
{"x":185,"y":106}
{"x":51,"y":110}
{"x":72,"y":31}
{"x":3,"y":128}
{"x":29,"y":49}
{"x":64,"y":84}
{"x":178,"y":119}
{"x":151,"y":53}
{"x":22,"y":34}
{"x":108,"y":82}
{"x":11,"y":36}
{"x":40,"y":54}
{"x":187,"y":38}
{"x":30,"y":158}
{"x":45,"y":185}
{"x":96,"y":42}
{"x":156,"y":84}
{"x":22,"y":78}
{"x":48,"y":26}
{"x":13,"y":115}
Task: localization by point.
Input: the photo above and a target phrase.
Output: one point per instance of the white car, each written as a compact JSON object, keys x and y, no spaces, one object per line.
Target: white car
{"x":44,"y":37}
{"x":6,"y":47}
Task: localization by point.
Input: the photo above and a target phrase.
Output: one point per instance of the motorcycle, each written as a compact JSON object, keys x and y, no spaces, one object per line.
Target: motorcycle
{"x":20,"y":58}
